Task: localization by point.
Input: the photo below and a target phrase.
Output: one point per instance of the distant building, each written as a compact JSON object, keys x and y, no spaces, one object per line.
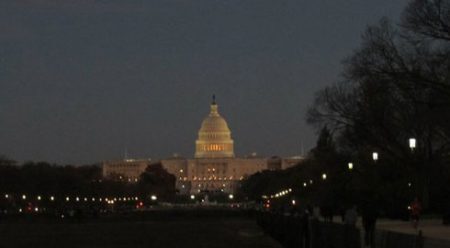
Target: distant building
{"x":214,"y":166}
{"x":127,"y":170}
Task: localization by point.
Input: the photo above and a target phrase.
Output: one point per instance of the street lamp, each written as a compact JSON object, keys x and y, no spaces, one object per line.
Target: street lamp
{"x":350,"y":166}
{"x":412,"y":143}
{"x":375,"y":156}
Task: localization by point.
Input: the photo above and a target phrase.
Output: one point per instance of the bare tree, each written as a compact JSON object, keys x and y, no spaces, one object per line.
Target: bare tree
{"x":396,"y":86}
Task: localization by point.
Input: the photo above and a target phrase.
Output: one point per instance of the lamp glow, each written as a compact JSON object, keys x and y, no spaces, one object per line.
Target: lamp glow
{"x":412,"y":143}
{"x":350,"y":166}
{"x":375,"y":156}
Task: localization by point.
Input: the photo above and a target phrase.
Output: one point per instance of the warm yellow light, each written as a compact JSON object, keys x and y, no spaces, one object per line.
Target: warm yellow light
{"x":39,"y":197}
{"x":231,"y":196}
{"x":6,"y":196}
{"x":324,"y":176}
{"x":67,"y":199}
{"x":293,"y":202}
{"x":154,"y":198}
{"x":192,"y":197}
{"x":24,"y":197}
{"x":350,"y":166}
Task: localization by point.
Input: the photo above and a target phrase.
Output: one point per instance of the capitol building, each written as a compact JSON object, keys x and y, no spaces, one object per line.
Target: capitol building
{"x":214,"y":168}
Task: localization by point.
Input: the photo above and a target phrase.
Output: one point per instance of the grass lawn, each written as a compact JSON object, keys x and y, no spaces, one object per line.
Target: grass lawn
{"x":179,"y":231}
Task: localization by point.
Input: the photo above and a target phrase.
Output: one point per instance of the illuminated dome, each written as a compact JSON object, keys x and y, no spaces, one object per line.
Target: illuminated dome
{"x":214,"y":137}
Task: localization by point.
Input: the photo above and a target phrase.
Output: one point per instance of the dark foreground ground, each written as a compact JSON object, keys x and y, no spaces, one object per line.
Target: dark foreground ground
{"x":168,"y":230}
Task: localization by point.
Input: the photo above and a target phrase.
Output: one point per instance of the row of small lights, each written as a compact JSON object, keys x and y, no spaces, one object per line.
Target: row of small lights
{"x":93,"y":199}
{"x":210,"y":178}
{"x":375,"y":156}
{"x":230,"y":196}
{"x":129,"y":179}
{"x":279,"y":194}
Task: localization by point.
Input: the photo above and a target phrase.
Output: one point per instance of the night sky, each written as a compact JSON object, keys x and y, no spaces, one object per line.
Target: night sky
{"x":83,"y":80}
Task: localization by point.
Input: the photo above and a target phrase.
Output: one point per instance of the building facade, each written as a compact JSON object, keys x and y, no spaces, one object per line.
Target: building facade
{"x":214,"y":167}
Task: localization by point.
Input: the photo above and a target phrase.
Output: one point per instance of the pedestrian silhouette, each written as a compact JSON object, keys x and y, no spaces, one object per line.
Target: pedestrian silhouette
{"x":416,"y":208}
{"x":369,"y":213}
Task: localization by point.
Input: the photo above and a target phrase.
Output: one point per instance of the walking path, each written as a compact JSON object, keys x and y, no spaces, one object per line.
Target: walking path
{"x":431,"y":228}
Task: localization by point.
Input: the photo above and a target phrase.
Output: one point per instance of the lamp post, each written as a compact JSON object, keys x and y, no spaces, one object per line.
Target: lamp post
{"x":350,"y":166}
{"x":375,"y":156}
{"x":412,"y":143}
